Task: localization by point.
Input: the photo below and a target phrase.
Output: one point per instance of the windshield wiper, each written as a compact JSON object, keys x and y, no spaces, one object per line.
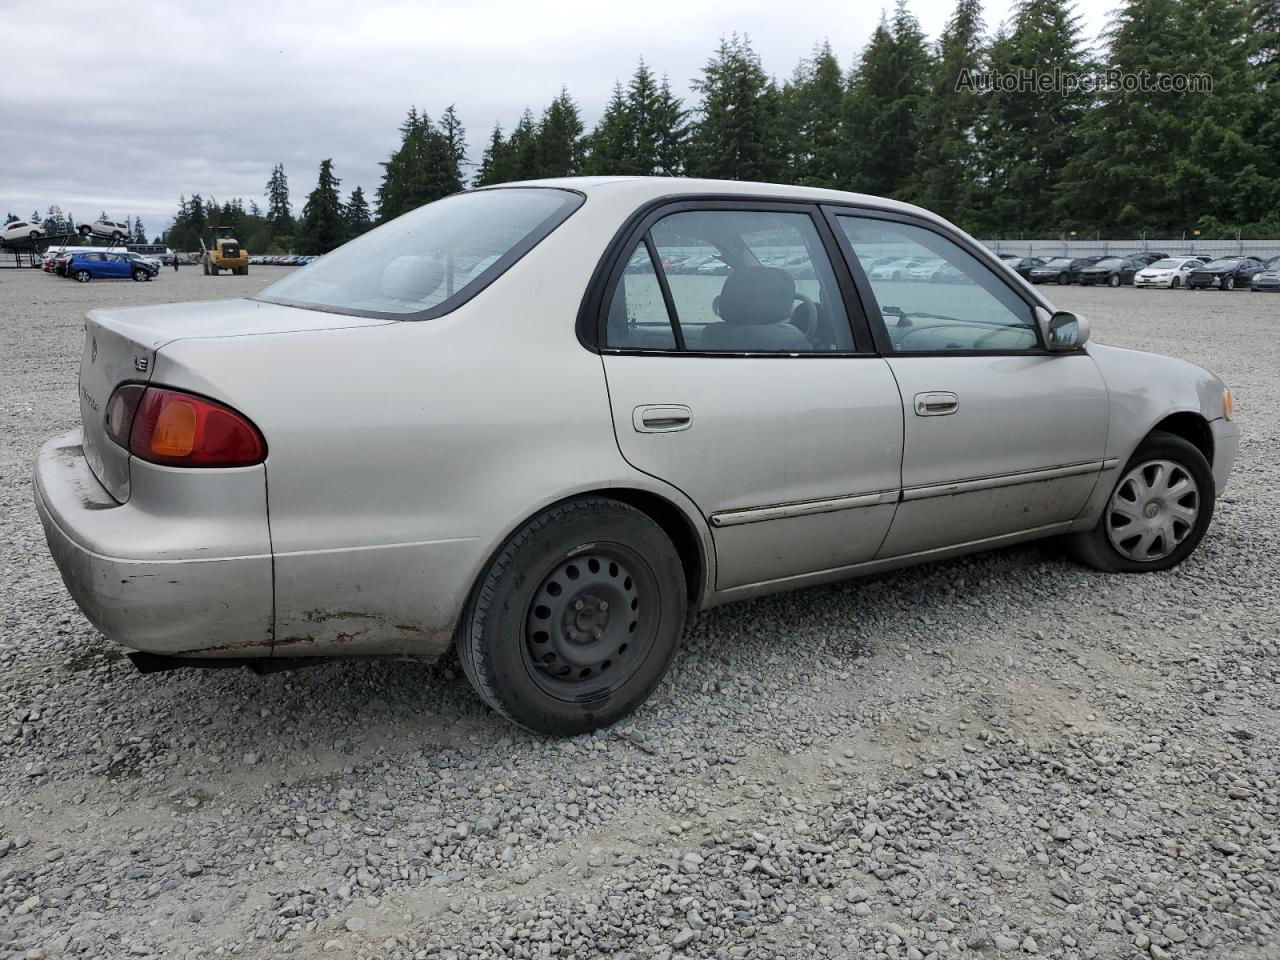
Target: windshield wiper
{"x":905,"y":316}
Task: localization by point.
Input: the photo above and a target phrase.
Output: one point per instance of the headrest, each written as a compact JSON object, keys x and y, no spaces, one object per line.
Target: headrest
{"x":755,"y":295}
{"x":412,"y":278}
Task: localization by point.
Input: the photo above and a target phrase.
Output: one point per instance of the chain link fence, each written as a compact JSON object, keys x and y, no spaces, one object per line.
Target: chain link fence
{"x":1265,"y":249}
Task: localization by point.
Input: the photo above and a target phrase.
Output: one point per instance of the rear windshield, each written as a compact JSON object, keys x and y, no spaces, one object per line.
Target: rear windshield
{"x":431,"y":260}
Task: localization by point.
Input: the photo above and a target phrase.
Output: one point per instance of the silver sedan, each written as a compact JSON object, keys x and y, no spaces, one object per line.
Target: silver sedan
{"x":516,"y":422}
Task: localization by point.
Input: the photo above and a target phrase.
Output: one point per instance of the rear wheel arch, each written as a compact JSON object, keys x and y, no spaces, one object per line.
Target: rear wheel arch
{"x":673,"y":520}
{"x":675,"y":523}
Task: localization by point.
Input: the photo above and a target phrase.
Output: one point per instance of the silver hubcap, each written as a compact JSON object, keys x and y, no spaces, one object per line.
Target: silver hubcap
{"x":1153,"y":510}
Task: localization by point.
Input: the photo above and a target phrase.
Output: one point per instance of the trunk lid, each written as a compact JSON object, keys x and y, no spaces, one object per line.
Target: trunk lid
{"x":120,"y":346}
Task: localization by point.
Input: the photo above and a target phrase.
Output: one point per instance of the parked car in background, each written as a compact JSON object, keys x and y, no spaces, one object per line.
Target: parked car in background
{"x":1024,"y":265}
{"x":1172,"y":272}
{"x":899,"y":269}
{"x":559,"y":540}
{"x":1111,"y":271}
{"x":1060,"y":270}
{"x":1268,"y":278}
{"x":21,"y":230}
{"x":108,"y":266}
{"x":1146,"y":256}
{"x":1225,"y":274}
{"x":141,"y":258}
{"x":105,"y":228}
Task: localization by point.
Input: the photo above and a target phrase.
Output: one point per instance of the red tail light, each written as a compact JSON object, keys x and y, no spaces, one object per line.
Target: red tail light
{"x":181,"y":429}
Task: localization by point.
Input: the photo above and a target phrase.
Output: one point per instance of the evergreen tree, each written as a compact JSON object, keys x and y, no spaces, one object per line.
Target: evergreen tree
{"x":658,"y":126}
{"x":425,"y":168}
{"x":812,"y":115}
{"x":323,"y":225}
{"x":737,"y":133}
{"x":10,"y":217}
{"x":279,"y":213}
{"x":886,"y":96}
{"x":1026,"y":137}
{"x":356,"y":214}
{"x":139,"y":231}
{"x":455,"y":137}
{"x":495,"y":162}
{"x":610,"y":141}
{"x":559,"y":145}
{"x":945,"y":177}
{"x":522,"y":149}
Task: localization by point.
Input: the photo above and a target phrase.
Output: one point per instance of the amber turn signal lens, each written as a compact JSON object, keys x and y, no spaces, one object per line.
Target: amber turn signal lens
{"x":1227,"y":404}
{"x":175,"y":431}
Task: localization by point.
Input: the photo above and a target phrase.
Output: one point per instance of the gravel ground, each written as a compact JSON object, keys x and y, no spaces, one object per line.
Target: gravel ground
{"x":1005,"y":754}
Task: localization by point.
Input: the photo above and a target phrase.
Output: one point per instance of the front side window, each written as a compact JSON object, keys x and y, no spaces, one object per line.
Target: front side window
{"x":431,"y":260}
{"x":949,"y":300}
{"x":740,"y":281}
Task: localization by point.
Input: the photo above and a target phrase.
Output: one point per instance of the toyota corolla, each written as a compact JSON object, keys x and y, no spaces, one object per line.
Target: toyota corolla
{"x":503,"y":423}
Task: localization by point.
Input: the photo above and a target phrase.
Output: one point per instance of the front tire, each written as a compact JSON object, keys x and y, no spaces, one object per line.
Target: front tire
{"x":1175,"y":283}
{"x":1157,"y":512}
{"x":576,"y":619}
{"x":1113,"y":280}
{"x":83,"y":276}
{"x":1228,"y":283}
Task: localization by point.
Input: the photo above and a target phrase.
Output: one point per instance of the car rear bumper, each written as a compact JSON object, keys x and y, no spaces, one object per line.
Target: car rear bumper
{"x":146,"y":577}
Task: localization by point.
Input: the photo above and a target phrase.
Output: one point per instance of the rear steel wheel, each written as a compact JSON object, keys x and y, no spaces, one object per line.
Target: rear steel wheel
{"x":587,"y":632}
{"x":576,"y":618}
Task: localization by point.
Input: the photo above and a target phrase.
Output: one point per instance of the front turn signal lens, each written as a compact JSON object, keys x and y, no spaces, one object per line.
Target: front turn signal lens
{"x":1227,"y":403}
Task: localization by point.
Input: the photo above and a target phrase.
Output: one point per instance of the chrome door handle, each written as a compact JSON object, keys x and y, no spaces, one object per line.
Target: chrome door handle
{"x":940,"y":403}
{"x":662,"y":418}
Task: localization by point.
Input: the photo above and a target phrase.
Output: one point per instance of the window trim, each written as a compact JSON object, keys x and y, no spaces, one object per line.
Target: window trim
{"x":572,"y":203}
{"x":592,"y":324}
{"x":871,"y":305}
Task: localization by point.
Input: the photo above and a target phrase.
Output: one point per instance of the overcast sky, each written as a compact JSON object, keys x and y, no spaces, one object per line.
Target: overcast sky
{"x":125,"y":112}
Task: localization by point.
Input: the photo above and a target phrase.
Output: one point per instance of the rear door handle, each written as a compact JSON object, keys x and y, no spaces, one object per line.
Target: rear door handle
{"x":940,"y":403}
{"x":661,"y":418}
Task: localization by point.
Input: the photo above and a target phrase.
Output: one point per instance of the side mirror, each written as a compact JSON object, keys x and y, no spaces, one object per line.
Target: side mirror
{"x":1064,"y":332}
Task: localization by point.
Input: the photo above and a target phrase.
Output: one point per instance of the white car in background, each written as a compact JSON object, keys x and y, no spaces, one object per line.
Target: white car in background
{"x":1171,"y":272}
{"x":21,"y":230}
{"x":894,"y":270}
{"x":106,"y":228}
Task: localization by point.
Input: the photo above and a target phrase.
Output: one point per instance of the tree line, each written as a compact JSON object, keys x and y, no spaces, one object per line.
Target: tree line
{"x":907,"y":120}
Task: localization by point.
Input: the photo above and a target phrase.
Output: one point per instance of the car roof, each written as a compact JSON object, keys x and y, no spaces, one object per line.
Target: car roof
{"x":643,"y":189}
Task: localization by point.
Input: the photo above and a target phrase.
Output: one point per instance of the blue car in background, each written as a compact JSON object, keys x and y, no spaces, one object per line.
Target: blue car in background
{"x":91,"y":266}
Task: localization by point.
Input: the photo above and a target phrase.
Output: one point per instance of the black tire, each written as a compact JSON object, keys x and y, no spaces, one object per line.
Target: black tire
{"x":1062,"y":280}
{"x":1228,"y":283}
{"x":83,"y":276}
{"x":34,"y":235}
{"x":140,"y":275}
{"x":1113,"y":280}
{"x":1175,"y":283}
{"x":1095,"y":548}
{"x":554,"y":572}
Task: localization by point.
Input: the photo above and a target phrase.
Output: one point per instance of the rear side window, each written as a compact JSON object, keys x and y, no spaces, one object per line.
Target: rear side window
{"x":430,"y":261}
{"x":729,"y":281}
